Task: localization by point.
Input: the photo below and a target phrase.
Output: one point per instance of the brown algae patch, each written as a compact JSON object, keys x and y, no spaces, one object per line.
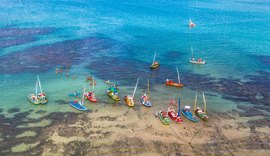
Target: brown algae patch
{"x":24,"y":147}
{"x":27,"y":134}
{"x":42,"y":123}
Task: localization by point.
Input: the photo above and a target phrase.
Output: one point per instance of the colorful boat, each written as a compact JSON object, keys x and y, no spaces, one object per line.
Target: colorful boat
{"x":91,"y":95}
{"x":79,"y":104}
{"x":172,"y":114}
{"x":175,"y":84}
{"x":198,"y":111}
{"x":194,"y":61}
{"x":38,"y":97}
{"x":112,"y":92}
{"x":155,"y":63}
{"x":163,"y":116}
{"x":191,"y":24}
{"x":129,"y":99}
{"x":188,"y":114}
{"x":145,"y":99}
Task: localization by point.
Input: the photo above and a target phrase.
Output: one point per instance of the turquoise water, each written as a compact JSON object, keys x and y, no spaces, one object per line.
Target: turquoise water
{"x":230,"y":36}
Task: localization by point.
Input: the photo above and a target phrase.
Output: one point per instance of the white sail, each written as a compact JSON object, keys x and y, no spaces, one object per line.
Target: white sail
{"x":154,"y":57}
{"x":93,"y":85}
{"x":39,"y":84}
{"x":148,"y":88}
{"x":204,"y":101}
{"x":36,"y":87}
{"x":83,"y":95}
{"x":178,"y":75}
{"x":135,"y":88}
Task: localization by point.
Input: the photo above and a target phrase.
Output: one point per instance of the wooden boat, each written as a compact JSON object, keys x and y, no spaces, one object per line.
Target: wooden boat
{"x":194,"y":61}
{"x":38,"y":97}
{"x":145,"y":99}
{"x":79,"y":104}
{"x":188,"y":114}
{"x":175,"y":84}
{"x":163,"y":116}
{"x":172,"y":114}
{"x":191,"y":24}
{"x":91,"y":95}
{"x":113,"y":93}
{"x":129,"y":99}
{"x":155,"y":63}
{"x":198,"y":111}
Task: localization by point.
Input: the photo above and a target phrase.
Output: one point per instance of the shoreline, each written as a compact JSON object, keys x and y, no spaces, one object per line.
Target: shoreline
{"x":109,"y":130}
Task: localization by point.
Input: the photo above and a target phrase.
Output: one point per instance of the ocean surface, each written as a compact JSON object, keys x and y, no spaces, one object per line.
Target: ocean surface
{"x":116,"y":41}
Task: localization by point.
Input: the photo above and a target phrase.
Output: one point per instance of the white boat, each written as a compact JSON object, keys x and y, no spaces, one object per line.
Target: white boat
{"x":196,"y":61}
{"x":191,"y":24}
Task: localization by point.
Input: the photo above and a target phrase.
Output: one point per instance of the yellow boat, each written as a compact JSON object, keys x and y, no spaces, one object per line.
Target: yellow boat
{"x":155,"y":63}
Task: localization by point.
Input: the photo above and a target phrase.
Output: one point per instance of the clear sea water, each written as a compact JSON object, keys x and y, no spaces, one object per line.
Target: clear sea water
{"x":229,"y":35}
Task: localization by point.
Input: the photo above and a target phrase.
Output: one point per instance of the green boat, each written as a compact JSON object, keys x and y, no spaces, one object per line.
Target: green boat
{"x":201,"y":113}
{"x":163,"y":116}
{"x":113,"y":93}
{"x":155,"y":63}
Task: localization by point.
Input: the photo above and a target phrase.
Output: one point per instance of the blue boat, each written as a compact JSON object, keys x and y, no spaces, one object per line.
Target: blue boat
{"x":188,"y":114}
{"x":78,"y":105}
{"x":145,"y":99}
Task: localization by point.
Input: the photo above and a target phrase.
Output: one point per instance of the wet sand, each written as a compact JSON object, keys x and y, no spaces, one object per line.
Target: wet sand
{"x":120,"y":130}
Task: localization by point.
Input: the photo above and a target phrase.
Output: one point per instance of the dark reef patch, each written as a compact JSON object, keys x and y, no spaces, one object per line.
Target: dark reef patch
{"x":61,"y":102}
{"x":13,"y":110}
{"x":40,"y":112}
{"x":260,"y":122}
{"x":43,"y":58}
{"x":9,"y":130}
{"x":263,"y":59}
{"x":249,"y":111}
{"x":4,"y":43}
{"x":24,"y":32}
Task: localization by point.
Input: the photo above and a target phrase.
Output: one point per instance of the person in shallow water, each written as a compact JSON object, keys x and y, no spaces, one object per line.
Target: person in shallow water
{"x":56,"y":71}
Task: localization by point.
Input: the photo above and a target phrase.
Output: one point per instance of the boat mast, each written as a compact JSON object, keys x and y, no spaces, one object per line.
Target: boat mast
{"x":36,"y":87}
{"x":204,"y":101}
{"x":154,"y":57}
{"x":148,"y":92}
{"x":83,"y":95}
{"x":135,"y":88}
{"x":178,"y":75}
{"x":93,"y":85}
{"x":195,"y":101}
{"x":178,"y":107}
{"x":39,"y":84}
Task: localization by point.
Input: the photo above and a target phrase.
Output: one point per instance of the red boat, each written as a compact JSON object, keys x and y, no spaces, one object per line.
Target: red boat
{"x":172,"y":114}
{"x":90,"y":96}
{"x":175,"y":84}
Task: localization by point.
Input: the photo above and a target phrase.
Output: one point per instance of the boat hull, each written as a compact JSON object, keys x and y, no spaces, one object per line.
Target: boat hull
{"x":129,"y":101}
{"x":196,"y":62}
{"x":174,"y":84}
{"x":202,"y":116}
{"x":174,"y":116}
{"x":90,"y":98}
{"x":146,"y":103}
{"x":154,"y":66}
{"x":114,"y":97}
{"x":163,"y":118}
{"x":189,"y":116}
{"x":37,"y":101}
{"x":77,"y":106}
